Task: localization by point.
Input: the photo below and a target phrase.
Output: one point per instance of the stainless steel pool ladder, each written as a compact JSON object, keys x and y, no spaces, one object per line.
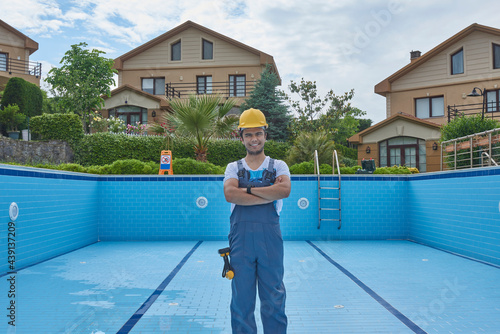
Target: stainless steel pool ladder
{"x":335,"y":163}
{"x":490,"y":159}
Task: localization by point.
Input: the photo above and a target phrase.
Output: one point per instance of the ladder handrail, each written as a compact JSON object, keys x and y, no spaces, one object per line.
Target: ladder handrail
{"x":489,"y":158}
{"x":316,"y":170}
{"x":335,"y":163}
{"x":336,"y":159}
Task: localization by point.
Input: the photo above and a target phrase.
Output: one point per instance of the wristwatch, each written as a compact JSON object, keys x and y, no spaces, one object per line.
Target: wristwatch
{"x":249,"y":189}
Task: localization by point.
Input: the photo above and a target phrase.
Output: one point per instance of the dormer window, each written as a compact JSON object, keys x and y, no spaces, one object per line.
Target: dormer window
{"x":496,"y":56}
{"x":457,"y":62}
{"x":175,"y":51}
{"x":207,"y":50}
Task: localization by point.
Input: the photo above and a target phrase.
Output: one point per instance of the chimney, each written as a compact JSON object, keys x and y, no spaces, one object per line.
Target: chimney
{"x":414,"y":55}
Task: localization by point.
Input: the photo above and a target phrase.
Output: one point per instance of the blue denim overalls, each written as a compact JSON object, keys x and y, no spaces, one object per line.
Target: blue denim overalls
{"x":257,"y":258}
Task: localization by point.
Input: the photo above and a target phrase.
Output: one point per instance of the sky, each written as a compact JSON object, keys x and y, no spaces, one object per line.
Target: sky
{"x":341,"y":45}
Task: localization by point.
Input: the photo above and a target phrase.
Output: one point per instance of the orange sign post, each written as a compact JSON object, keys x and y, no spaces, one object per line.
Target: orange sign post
{"x":166,"y":163}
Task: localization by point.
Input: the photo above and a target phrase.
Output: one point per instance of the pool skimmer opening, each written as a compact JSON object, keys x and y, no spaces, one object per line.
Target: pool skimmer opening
{"x":13,"y":211}
{"x":201,"y":202}
{"x":303,"y":203}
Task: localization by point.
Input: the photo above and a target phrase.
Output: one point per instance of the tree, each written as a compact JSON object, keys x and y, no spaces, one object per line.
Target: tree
{"x":268,"y":99}
{"x":200,"y":118}
{"x":305,"y":145}
{"x":332,"y":113}
{"x":84,"y":77}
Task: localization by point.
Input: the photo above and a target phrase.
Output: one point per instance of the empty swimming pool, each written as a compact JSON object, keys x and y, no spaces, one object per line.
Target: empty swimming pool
{"x":138,"y":254}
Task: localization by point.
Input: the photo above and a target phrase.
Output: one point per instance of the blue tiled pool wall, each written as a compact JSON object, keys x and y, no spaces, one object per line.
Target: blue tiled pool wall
{"x":460,"y":215}
{"x":60,"y":212}
{"x":131,"y":210}
{"x":56,"y":215}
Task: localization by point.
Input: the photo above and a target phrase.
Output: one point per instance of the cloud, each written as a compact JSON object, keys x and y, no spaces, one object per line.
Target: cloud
{"x":339,"y":44}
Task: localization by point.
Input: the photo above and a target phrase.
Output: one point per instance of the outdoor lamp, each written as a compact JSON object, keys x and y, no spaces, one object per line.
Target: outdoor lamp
{"x":368,"y":150}
{"x":434,"y":146}
{"x":483,"y":94}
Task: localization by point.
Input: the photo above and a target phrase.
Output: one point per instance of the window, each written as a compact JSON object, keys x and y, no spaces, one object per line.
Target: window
{"x":204,"y":85}
{"x":207,"y":50}
{"x":492,"y":101}
{"x":457,"y":62}
{"x":237,"y":85}
{"x":155,"y":86}
{"x":406,"y":151}
{"x":3,"y":61}
{"x":429,"y":107}
{"x":175,"y":51}
{"x":130,"y":114}
{"x":496,"y":56}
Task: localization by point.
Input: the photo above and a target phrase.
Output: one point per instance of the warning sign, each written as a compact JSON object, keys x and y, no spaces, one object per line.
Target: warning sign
{"x":165,"y":159}
{"x":166,"y":163}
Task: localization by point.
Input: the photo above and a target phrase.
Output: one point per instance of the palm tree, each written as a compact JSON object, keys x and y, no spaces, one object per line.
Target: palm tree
{"x":200,"y":118}
{"x":305,"y":145}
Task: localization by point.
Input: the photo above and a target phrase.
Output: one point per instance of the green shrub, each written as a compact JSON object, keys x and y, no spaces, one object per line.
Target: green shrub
{"x":346,"y":152}
{"x":191,"y":166}
{"x":306,"y":167}
{"x":67,"y":127}
{"x":129,"y":166}
{"x":11,"y":118}
{"x":26,"y":95}
{"x":348,"y":162}
{"x":392,"y":170}
{"x":467,"y":125}
{"x":72,"y":168}
{"x":222,"y":152}
{"x":306,"y":143}
{"x":104,"y":148}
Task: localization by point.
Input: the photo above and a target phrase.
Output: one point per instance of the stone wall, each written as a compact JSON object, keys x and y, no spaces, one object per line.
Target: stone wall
{"x":33,"y":152}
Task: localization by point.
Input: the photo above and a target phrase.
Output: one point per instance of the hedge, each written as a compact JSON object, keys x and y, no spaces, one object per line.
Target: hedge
{"x":104,"y":148}
{"x":67,"y":127}
{"x":26,"y":95}
{"x":308,"y":168}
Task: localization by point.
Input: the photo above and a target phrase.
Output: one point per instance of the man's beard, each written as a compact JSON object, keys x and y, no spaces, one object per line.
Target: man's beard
{"x":255,"y":152}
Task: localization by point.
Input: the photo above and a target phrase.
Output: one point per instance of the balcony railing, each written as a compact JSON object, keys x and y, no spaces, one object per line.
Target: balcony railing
{"x":224,"y":88}
{"x":488,"y":110}
{"x":476,"y":150}
{"x":15,"y":66}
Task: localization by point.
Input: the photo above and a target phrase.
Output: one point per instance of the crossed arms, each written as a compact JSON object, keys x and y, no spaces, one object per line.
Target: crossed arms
{"x":260,"y":195}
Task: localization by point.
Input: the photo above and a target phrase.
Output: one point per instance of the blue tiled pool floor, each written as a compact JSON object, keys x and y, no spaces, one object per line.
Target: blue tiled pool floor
{"x":332,"y":287}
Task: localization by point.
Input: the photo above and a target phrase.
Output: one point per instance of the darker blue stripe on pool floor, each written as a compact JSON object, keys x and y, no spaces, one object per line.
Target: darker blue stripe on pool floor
{"x":401,"y":317}
{"x":147,"y":304}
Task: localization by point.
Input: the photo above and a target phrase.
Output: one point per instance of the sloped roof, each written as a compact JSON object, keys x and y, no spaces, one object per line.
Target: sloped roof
{"x":29,"y":44}
{"x":400,"y":115}
{"x":264,"y":57}
{"x":384,"y":86}
{"x":161,"y":100}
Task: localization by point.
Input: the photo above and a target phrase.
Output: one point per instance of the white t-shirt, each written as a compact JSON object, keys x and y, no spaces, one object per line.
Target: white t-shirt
{"x":280,"y":166}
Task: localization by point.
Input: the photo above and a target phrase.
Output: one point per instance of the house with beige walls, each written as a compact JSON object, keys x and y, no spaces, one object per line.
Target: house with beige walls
{"x":15,"y":51}
{"x":189,"y":59}
{"x":430,"y":91}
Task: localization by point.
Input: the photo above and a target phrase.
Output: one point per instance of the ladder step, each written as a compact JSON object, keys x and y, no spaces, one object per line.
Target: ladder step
{"x":336,"y":220}
{"x":329,"y":209}
{"x":329,"y":188}
{"x":329,"y":198}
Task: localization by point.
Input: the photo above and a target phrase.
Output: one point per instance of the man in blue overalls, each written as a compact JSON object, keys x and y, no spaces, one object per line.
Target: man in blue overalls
{"x":255,"y":187}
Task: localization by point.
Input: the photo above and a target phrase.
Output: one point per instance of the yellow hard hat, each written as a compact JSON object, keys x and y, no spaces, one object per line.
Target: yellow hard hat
{"x":252,"y":118}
